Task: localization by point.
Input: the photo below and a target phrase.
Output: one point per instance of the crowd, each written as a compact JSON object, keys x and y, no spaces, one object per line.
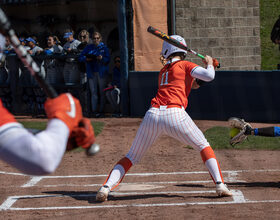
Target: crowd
{"x":80,"y":62}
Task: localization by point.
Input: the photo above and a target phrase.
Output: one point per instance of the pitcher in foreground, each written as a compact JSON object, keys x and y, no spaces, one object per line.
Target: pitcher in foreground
{"x":167,"y":115}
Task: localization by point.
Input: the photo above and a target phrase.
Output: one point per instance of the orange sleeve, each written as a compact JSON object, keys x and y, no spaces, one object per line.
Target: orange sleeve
{"x":5,"y":115}
{"x":190,"y":66}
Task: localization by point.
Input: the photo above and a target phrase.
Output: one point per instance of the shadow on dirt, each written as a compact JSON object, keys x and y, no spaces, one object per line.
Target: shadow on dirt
{"x":90,"y":196}
{"x":256,"y":184}
{"x":190,"y":185}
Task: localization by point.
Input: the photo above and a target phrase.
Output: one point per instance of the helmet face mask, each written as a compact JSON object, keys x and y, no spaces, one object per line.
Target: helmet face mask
{"x":169,"y":49}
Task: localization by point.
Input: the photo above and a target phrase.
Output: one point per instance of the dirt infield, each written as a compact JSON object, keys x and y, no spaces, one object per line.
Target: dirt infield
{"x":171,"y":182}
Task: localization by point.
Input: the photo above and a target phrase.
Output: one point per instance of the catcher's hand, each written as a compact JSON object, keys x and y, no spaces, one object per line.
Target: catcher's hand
{"x":245,"y":129}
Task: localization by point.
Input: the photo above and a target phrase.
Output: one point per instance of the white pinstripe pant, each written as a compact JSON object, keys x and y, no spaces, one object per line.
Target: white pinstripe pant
{"x":174,"y":122}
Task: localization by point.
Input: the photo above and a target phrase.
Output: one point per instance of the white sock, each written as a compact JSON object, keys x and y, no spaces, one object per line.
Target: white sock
{"x":115,"y":176}
{"x":214,"y":170}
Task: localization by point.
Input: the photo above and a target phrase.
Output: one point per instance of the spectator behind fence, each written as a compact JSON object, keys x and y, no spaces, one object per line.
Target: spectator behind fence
{"x":84,"y":39}
{"x":8,"y":47}
{"x":71,"y":71}
{"x":3,"y":69}
{"x":97,"y":58}
{"x":34,"y":49}
{"x":113,"y":89}
{"x":23,"y":42}
{"x":52,"y":65}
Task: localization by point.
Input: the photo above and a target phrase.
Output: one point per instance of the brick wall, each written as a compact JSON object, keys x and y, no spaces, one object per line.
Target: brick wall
{"x":229,"y":30}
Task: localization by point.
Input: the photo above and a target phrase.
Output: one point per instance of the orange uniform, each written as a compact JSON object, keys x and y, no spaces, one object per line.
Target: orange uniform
{"x":6,"y":116}
{"x":167,"y":116}
{"x":174,"y":84}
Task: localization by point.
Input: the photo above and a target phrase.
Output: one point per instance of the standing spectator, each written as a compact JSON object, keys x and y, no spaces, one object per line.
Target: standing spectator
{"x":113,"y":90}
{"x":23,"y":43}
{"x":97,"y":58}
{"x":34,"y":95}
{"x":34,"y":49}
{"x":3,"y":69}
{"x":71,"y":71}
{"x":84,"y":94}
{"x":84,"y":39}
{"x":53,"y":74}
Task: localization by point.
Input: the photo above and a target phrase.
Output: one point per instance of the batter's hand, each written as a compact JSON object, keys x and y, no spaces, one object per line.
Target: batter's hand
{"x":82,"y":135}
{"x":66,"y":108}
{"x":208,"y":60}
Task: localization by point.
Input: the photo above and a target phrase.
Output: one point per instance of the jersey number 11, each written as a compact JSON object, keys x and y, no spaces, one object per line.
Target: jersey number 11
{"x":164,"y":79}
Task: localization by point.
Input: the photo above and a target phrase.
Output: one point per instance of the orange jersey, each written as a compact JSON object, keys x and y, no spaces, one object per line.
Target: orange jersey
{"x":174,"y":84}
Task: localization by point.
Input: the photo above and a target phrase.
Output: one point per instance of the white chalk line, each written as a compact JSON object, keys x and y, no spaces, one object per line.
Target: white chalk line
{"x":33,"y":181}
{"x":145,"y":174}
{"x":232,"y":176}
{"x":147,"y":183}
{"x":36,"y":179}
{"x":238,"y":198}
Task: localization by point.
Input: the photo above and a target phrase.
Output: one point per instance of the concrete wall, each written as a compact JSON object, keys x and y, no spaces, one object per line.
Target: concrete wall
{"x":226,"y":29}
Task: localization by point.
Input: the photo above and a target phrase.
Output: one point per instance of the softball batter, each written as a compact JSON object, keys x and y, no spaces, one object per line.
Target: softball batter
{"x":167,"y":115}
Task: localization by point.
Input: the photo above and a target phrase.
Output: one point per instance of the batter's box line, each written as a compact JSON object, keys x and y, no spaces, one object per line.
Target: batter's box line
{"x":232,"y":177}
{"x":143,"y":183}
{"x":238,"y":198}
{"x":34,"y":180}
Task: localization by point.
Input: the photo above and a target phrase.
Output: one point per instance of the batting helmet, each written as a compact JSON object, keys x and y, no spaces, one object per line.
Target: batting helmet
{"x":168,"y":49}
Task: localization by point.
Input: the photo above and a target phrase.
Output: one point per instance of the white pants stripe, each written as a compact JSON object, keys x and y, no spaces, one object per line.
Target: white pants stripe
{"x":174,"y":122}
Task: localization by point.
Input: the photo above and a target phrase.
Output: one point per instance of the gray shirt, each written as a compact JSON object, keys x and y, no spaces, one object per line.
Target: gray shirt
{"x":72,"y":45}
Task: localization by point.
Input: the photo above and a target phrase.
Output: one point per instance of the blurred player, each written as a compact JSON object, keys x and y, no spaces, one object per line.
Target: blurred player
{"x":167,"y":115}
{"x":41,"y":153}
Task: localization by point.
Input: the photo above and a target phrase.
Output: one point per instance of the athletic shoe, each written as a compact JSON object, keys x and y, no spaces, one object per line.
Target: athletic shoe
{"x":222,"y":190}
{"x":102,"y":193}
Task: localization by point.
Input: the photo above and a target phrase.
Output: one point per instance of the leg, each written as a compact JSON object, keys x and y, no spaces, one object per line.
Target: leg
{"x":74,"y":76}
{"x":66,"y":72}
{"x":93,"y":92}
{"x":115,"y":93}
{"x":102,"y":85}
{"x":145,"y":137}
{"x":110,"y":98}
{"x":180,"y":126}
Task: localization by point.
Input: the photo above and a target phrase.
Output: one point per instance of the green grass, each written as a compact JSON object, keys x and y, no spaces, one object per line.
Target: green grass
{"x":218,"y":137}
{"x":269,"y":13}
{"x":97,"y":126}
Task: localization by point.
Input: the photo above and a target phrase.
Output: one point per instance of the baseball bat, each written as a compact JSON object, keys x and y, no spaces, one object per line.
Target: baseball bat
{"x":26,"y":59}
{"x":178,"y":44}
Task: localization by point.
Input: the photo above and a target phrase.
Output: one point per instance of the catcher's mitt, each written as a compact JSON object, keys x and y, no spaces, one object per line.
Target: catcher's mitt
{"x":244,"y":127}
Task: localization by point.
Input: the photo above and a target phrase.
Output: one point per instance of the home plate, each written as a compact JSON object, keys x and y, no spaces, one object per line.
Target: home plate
{"x":139,"y":187}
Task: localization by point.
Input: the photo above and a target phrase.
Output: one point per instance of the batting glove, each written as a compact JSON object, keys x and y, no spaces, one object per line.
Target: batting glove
{"x":66,"y":108}
{"x":82,"y":135}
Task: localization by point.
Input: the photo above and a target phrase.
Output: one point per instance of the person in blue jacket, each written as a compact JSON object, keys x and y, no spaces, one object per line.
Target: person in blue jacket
{"x":97,"y":58}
